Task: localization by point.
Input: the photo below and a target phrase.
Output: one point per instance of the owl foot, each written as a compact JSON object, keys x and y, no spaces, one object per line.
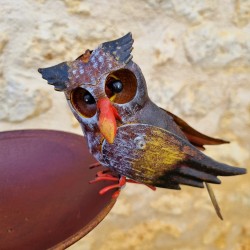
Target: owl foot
{"x":108,"y":175}
{"x":121,"y":184}
{"x":104,"y":178}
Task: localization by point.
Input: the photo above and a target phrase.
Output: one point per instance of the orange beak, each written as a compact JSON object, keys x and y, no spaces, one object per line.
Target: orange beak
{"x":107,"y":119}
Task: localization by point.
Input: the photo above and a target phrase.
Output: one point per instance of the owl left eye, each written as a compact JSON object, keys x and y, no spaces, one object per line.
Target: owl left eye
{"x":121,"y":86}
{"x":88,"y":98}
{"x":115,"y":86}
{"x":83,"y":102}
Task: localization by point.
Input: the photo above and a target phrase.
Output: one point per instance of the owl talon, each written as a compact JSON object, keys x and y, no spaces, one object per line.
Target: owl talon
{"x":105,"y":173}
{"x":104,"y":178}
{"x":95,"y":165}
{"x":121,"y":184}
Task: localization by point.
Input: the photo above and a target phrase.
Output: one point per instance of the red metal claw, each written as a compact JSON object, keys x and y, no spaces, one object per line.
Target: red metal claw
{"x":104,"y":178}
{"x":106,"y":175}
{"x":121,"y":184}
{"x":95,"y":165}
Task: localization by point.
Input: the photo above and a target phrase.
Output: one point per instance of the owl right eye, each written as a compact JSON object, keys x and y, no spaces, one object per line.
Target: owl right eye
{"x":121,"y":86}
{"x":83,"y":102}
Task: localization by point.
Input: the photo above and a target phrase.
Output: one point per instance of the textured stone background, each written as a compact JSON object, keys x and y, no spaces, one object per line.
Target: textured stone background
{"x":195,"y":55}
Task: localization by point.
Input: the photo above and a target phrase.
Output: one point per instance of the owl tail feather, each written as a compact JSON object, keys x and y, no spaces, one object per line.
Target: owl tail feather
{"x":194,"y":172}
{"x":214,"y":200}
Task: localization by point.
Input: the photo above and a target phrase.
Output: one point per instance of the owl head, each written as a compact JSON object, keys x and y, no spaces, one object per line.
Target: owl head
{"x":103,"y":86}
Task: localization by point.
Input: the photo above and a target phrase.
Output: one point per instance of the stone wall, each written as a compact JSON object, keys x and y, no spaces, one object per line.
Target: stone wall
{"x":195,"y":55}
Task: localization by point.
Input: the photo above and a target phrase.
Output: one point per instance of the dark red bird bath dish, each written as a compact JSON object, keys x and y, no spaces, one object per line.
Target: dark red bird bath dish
{"x":46,"y":201}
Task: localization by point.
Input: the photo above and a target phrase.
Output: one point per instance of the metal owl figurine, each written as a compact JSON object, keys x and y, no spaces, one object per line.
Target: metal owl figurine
{"x":128,"y":133}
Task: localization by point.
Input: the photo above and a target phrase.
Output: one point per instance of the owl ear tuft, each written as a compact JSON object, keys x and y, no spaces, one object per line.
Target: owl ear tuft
{"x":56,"y":75}
{"x":120,"y":48}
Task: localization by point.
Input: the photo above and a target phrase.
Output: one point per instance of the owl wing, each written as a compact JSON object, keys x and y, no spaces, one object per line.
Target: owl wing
{"x":155,"y":156}
{"x":199,"y":140}
{"x":195,"y":137}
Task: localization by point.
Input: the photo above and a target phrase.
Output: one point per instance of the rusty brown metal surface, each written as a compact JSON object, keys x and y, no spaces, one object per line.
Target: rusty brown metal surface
{"x":45,"y":198}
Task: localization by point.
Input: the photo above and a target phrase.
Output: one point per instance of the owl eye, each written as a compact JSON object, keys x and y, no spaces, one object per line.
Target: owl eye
{"x":83,"y":102}
{"x":121,"y":86}
{"x":88,"y":98}
{"x":116,"y":86}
